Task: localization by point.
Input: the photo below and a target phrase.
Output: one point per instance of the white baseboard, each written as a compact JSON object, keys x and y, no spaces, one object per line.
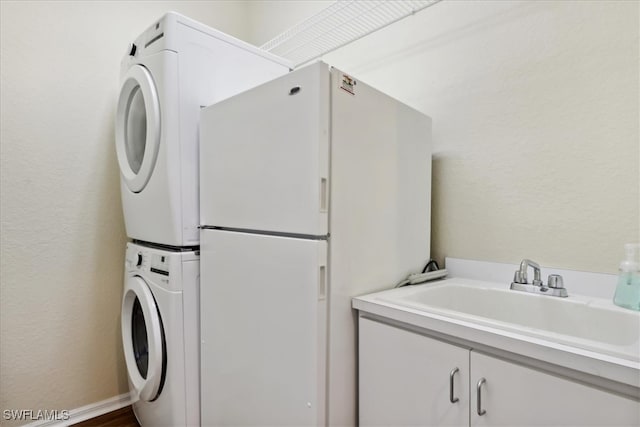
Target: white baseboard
{"x":87,"y":412}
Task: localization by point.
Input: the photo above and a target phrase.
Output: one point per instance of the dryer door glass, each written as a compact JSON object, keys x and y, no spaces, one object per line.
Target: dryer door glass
{"x":136,"y":136}
{"x":137,"y":128}
{"x":143,"y":339}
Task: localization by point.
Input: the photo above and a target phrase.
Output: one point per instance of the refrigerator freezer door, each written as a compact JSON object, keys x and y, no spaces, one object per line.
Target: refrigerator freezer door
{"x":264,"y":156}
{"x":263,"y":329}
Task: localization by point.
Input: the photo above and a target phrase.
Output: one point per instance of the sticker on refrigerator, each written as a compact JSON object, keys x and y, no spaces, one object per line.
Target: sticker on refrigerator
{"x":348,"y":84}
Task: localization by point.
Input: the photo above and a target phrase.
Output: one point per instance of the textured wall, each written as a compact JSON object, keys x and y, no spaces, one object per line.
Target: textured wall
{"x":62,"y":230}
{"x":535,"y":109}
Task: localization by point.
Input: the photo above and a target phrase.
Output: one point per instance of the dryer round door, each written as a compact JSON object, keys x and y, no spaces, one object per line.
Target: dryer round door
{"x":137,"y":127}
{"x":143,"y":339}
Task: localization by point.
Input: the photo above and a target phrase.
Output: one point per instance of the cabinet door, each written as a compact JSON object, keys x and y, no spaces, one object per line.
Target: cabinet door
{"x":514,"y":395}
{"x":404,"y":378}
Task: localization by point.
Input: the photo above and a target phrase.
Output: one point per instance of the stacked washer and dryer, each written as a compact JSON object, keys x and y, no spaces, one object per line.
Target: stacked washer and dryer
{"x":172,"y":70}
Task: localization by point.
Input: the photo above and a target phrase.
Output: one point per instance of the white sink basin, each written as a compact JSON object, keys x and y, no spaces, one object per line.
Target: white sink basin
{"x":587,"y":323}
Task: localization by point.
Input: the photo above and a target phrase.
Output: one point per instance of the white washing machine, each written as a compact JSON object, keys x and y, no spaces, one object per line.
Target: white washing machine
{"x":173,"y":69}
{"x":160,"y":333}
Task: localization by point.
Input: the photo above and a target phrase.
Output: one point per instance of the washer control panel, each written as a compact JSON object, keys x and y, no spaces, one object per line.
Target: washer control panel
{"x":148,"y":260}
{"x":162,"y":267}
{"x":136,"y":259}
{"x":160,"y":264}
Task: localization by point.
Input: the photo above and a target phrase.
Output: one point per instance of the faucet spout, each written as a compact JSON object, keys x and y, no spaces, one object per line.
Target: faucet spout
{"x":521,"y":274}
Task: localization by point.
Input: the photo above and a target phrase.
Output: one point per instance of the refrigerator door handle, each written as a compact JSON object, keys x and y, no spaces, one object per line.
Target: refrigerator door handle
{"x":323,"y":195}
{"x":322,"y":285}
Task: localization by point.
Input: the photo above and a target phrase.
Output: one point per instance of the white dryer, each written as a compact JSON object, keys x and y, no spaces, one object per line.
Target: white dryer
{"x":160,"y":333}
{"x":173,"y":69}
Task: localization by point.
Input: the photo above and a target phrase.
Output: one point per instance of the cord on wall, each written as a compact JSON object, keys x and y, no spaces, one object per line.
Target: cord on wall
{"x":338,"y":25}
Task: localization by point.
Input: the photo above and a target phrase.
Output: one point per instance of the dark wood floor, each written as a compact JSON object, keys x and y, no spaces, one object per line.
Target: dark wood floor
{"x":121,"y":418}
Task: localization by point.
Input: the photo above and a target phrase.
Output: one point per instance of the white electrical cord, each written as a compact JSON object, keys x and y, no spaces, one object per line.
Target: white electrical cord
{"x":417,"y":278}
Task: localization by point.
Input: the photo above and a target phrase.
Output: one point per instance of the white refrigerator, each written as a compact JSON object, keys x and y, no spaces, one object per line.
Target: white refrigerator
{"x":314,"y":188}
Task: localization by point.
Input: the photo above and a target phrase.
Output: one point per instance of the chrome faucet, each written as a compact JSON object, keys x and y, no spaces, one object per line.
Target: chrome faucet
{"x":554,"y":286}
{"x":521,"y":274}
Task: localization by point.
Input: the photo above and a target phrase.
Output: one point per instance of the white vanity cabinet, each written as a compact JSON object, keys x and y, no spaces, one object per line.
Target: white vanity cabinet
{"x":405,"y":380}
{"x":514,"y":395}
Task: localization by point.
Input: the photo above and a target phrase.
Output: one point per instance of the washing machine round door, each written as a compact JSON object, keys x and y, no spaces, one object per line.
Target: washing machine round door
{"x":137,"y":127}
{"x":143,"y":340}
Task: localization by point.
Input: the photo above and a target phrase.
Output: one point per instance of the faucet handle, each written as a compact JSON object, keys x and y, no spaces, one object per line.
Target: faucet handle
{"x":555,"y":281}
{"x":518,"y":277}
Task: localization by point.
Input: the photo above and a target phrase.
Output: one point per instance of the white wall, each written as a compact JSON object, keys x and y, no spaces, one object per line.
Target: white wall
{"x":535,"y":109}
{"x":62,"y":232}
